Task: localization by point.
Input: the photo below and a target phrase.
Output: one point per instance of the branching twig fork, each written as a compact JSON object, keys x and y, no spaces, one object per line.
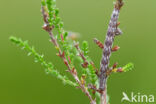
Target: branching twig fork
{"x":72,"y":71}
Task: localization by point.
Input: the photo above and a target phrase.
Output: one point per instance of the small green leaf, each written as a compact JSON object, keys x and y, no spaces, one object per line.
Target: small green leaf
{"x":128,"y":67}
{"x":43,"y":2}
{"x":65,"y":35}
{"x":61,"y":24}
{"x":49,"y":68}
{"x":30,"y":53}
{"x":85,"y":48}
{"x":36,"y":60}
{"x":56,"y":12}
{"x":57,"y":20}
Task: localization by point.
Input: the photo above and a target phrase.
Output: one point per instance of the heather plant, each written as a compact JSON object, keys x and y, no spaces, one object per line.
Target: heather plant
{"x":92,"y":81}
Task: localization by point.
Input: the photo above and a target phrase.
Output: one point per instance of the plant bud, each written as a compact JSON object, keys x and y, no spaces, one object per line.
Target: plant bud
{"x":115,"y":48}
{"x":85,"y":65}
{"x":69,"y":59}
{"x":98,"y":43}
{"x":62,"y":38}
{"x":115,"y":65}
{"x":118,"y":23}
{"x":74,"y":71}
{"x":65,"y":62}
{"x":120,"y":70}
{"x":63,"y":54}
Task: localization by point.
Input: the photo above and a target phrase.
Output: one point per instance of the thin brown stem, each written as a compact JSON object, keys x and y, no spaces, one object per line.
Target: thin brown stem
{"x":80,"y":53}
{"x":83,"y":88}
{"x":84,"y":59}
{"x":104,"y":96}
{"x":71,"y":70}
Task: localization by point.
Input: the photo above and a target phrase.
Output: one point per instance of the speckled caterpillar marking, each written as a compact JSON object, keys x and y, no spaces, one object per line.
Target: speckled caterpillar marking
{"x":112,"y":28}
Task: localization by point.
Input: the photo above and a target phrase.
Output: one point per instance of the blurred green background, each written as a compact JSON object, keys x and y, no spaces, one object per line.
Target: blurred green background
{"x":24,"y":82}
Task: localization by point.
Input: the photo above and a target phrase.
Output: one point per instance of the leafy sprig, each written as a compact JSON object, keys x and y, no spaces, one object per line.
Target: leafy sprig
{"x":49,"y":67}
{"x":128,"y":67}
{"x":92,"y":81}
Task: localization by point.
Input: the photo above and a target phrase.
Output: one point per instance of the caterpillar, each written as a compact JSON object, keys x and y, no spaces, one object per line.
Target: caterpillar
{"x":112,"y":31}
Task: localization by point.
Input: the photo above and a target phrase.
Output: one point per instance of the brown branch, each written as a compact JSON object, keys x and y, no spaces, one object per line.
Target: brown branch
{"x":85,"y":64}
{"x":80,"y":53}
{"x":71,"y":70}
{"x":94,"y":88}
{"x":104,"y":96}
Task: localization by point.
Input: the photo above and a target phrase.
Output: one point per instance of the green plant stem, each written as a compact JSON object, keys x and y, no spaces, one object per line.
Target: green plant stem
{"x":39,"y":58}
